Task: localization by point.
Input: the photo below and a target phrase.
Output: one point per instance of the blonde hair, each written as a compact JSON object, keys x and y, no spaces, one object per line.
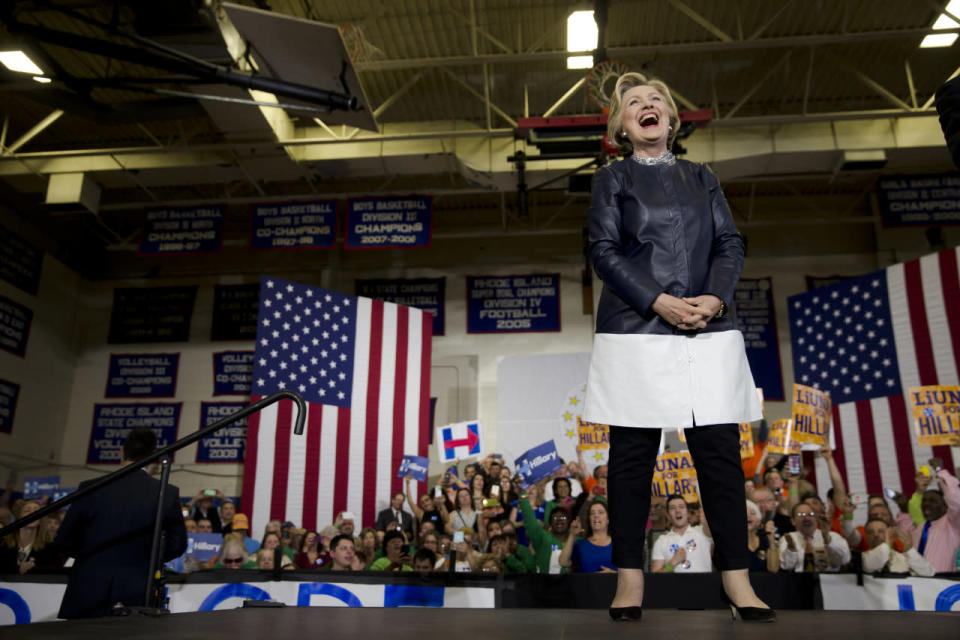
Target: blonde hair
{"x":752,"y":506}
{"x":626,"y":82}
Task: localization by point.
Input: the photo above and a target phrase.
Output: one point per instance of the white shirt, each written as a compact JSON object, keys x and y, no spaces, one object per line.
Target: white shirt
{"x":575,"y":489}
{"x":836,"y":548}
{"x":697,"y":546}
{"x":907,"y":562}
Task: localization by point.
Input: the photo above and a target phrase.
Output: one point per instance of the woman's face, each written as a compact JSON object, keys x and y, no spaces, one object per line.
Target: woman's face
{"x":369,"y":539}
{"x":599,"y":520}
{"x":271,"y":542}
{"x":430,"y":542}
{"x":27,"y":509}
{"x":477,"y":483}
{"x":464,"y":499}
{"x":426,"y":502}
{"x":645,"y":117}
{"x":752,"y":520}
{"x":310,"y":540}
{"x":563,"y":489}
{"x":493,"y":529}
{"x":505,"y":485}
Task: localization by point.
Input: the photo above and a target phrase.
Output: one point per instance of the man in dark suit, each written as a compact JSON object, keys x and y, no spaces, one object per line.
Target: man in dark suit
{"x":109,"y":534}
{"x":395,"y":512}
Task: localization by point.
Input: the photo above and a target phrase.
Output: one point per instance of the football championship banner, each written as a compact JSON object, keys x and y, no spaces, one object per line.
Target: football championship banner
{"x":675,"y":474}
{"x":811,"y":415}
{"x":936,"y":414}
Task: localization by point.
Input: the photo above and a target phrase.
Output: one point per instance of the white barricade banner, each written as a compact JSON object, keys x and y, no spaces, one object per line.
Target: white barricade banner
{"x":840,"y":592}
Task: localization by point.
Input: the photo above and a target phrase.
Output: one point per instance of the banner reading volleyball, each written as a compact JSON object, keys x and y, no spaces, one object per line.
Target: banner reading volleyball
{"x":811,"y":415}
{"x":591,"y":435}
{"x":936,"y":414}
{"x":674,"y":474}
{"x":780,"y":439}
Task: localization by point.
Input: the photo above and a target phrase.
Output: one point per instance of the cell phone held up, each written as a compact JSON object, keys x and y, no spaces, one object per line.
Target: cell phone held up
{"x":793,"y":464}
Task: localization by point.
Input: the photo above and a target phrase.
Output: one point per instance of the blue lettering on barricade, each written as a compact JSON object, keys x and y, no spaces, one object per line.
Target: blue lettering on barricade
{"x":947,"y":598}
{"x":398,"y":595}
{"x":323,"y":589}
{"x":12,"y":599}
{"x":232,"y":590}
{"x":905,"y":595}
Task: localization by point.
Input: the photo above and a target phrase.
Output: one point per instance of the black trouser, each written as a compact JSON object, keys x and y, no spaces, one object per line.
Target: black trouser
{"x":716,"y":455}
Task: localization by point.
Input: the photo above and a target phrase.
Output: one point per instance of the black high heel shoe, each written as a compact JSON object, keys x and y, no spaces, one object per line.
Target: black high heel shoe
{"x":748,"y":614}
{"x":626,"y":614}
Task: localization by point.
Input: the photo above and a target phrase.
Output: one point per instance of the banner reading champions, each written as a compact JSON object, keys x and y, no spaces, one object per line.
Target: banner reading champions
{"x":294,"y":225}
{"x":513,"y":304}
{"x":389,"y":223}
{"x":142,"y":375}
{"x":754,"y":297}
{"x":183,"y":230}
{"x":226,"y":444}
{"x":423,"y":293}
{"x":112,"y":423}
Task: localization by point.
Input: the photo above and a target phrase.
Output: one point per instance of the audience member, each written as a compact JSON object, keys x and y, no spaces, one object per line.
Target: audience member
{"x":546,"y":544}
{"x":311,"y":555}
{"x":769,"y":508}
{"x":683,"y":549}
{"x":812,"y":547}
{"x":518,"y":516}
{"x":761,"y":541}
{"x":227,"y":511}
{"x":343,"y":554}
{"x":203,"y":507}
{"x":271,"y":541}
{"x":204,"y":525}
{"x":233,"y":554}
{"x":938,"y":539}
{"x":395,"y":512}
{"x":190,"y":525}
{"x":657,"y":524}
{"x":881,"y":557}
{"x":29,"y":547}
{"x":424,"y":560}
{"x":593,"y":552}
{"x":368,"y":544}
{"x":427,"y":510}
{"x":345,"y":524}
{"x":489,"y":563}
{"x":463,"y":516}
{"x":242,"y":526}
{"x":396,"y":556}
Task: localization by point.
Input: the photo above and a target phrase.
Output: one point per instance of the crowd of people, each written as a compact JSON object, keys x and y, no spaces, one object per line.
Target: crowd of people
{"x":485,"y":520}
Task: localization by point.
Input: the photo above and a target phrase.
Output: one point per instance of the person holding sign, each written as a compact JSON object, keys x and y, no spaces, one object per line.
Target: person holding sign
{"x":938,"y":538}
{"x":667,"y":351}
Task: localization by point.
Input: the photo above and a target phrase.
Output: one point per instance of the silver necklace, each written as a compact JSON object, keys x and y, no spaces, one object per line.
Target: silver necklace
{"x":664,"y":158}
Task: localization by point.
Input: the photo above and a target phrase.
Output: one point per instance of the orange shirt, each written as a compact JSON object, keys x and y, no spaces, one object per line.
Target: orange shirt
{"x":836,"y":526}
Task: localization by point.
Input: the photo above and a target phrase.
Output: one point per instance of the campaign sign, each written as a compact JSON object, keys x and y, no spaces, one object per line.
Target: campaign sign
{"x":232,"y":373}
{"x":294,"y":225}
{"x":423,"y":293}
{"x":811,"y":415}
{"x":780,"y":439}
{"x":9,"y":392}
{"x":754,"y":300}
{"x":674,"y":473}
{"x":460,"y":440}
{"x":919,"y":200}
{"x":203,"y":546}
{"x":592,"y":435}
{"x":151,"y":314}
{"x":416,"y":466}
{"x":15,"y":322}
{"x":20,"y":262}
{"x":226,"y":444}
{"x":389,"y":223}
{"x":143,"y":375}
{"x":235,"y":310}
{"x":746,"y":441}
{"x":936,"y":414}
{"x":513,"y":304}
{"x":63,"y":492}
{"x":43,"y":486}
{"x":181,"y":230}
{"x":112,"y":423}
{"x":538,"y":463}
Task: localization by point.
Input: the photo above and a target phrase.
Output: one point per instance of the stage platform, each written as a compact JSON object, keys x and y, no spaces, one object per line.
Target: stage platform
{"x":504,"y":624}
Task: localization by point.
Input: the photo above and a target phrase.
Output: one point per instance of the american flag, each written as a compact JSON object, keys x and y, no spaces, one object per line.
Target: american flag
{"x":363,"y":367}
{"x":866,"y":340}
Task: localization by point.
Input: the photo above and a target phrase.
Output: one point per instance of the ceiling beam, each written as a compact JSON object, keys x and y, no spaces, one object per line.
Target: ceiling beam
{"x":700,"y":20}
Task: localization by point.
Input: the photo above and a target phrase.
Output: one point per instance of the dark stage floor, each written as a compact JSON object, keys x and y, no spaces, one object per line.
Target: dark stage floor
{"x":507,"y":624}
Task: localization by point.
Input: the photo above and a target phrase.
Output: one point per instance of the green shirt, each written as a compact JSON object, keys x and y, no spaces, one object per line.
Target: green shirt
{"x":381,"y":564}
{"x":521,"y":562}
{"x":544,"y":542}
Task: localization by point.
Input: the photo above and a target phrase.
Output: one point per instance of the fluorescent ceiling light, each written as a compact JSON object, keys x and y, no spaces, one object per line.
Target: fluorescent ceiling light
{"x":581,"y":31}
{"x":579,"y":62}
{"x":41,"y":79}
{"x":938,"y":40}
{"x":18,"y":61}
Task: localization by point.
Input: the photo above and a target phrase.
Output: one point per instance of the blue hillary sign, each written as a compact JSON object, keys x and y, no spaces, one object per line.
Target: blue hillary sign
{"x":182,"y":230}
{"x":294,"y":225}
{"x":423,"y":293}
{"x":538,"y":463}
{"x":15,"y":322}
{"x":9,"y":391}
{"x":42,"y":486}
{"x":203,"y":546}
{"x":232,"y":373}
{"x":919,"y":200}
{"x":513,"y":304}
{"x":416,"y":466}
{"x":754,"y":300}
{"x":143,"y":375}
{"x":226,"y":444}
{"x":112,"y":423}
{"x":389,"y":223}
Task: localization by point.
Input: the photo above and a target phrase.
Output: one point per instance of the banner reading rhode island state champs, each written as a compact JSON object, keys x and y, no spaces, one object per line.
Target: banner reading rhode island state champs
{"x":389,"y":223}
{"x":513,"y":304}
{"x":112,"y":423}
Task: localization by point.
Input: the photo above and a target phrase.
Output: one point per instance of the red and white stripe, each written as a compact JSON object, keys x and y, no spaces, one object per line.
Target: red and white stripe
{"x":348,"y":458}
{"x":876,"y":445}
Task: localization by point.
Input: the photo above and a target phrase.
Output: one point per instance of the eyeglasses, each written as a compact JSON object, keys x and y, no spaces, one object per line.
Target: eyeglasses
{"x":805,"y":514}
{"x":233,"y":561}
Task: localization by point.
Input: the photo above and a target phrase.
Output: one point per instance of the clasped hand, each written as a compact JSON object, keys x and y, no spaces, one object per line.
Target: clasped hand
{"x":687,"y":313}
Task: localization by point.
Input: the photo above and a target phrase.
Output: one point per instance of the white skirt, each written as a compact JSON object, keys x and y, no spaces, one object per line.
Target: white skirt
{"x":670,"y":381}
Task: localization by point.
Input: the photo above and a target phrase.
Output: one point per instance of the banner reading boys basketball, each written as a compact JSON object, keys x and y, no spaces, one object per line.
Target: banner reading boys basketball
{"x":781,"y":438}
{"x":591,"y":435}
{"x":936,"y":414}
{"x":811,"y":415}
{"x":674,"y":474}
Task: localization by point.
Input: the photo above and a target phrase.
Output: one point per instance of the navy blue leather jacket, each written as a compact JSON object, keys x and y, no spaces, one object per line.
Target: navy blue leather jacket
{"x":660,"y":228}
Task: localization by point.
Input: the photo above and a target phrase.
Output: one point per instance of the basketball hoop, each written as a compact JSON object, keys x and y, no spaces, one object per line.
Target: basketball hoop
{"x":601,"y":81}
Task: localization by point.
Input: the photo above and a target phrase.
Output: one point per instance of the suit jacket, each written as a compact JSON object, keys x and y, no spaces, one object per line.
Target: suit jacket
{"x":948,"y":106}
{"x":387,"y":515}
{"x":656,"y":229}
{"x":109,"y":534}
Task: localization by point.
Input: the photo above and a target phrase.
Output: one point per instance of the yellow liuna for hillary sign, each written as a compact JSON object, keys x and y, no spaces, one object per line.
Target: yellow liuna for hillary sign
{"x":591,"y":435}
{"x":811,"y":415}
{"x":781,"y":437}
{"x":936,"y":414}
{"x":674,"y":474}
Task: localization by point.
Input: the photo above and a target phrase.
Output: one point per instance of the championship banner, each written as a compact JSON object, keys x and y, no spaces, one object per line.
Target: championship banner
{"x":226,"y":444}
{"x":459,"y":441}
{"x":112,"y":423}
{"x":538,"y":463}
{"x":181,"y":230}
{"x":151,"y":314}
{"x":936,"y":414}
{"x":919,"y":200}
{"x":389,"y":223}
{"x":142,"y":375}
{"x":294,"y":225}
{"x":15,"y":322}
{"x":781,"y":439}
{"x":235,"y":308}
{"x":9,"y":391}
{"x":415,"y":466}
{"x":754,"y":300}
{"x":675,"y":474}
{"x":513,"y":304}
{"x":423,"y":293}
{"x":34,"y":488}
{"x":592,"y":436}
{"x":20,"y":262}
{"x":811,"y":415}
{"x":232,"y":373}
{"x":746,"y":441}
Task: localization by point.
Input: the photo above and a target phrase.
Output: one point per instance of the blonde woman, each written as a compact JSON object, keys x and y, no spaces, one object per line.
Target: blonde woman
{"x":667,"y":351}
